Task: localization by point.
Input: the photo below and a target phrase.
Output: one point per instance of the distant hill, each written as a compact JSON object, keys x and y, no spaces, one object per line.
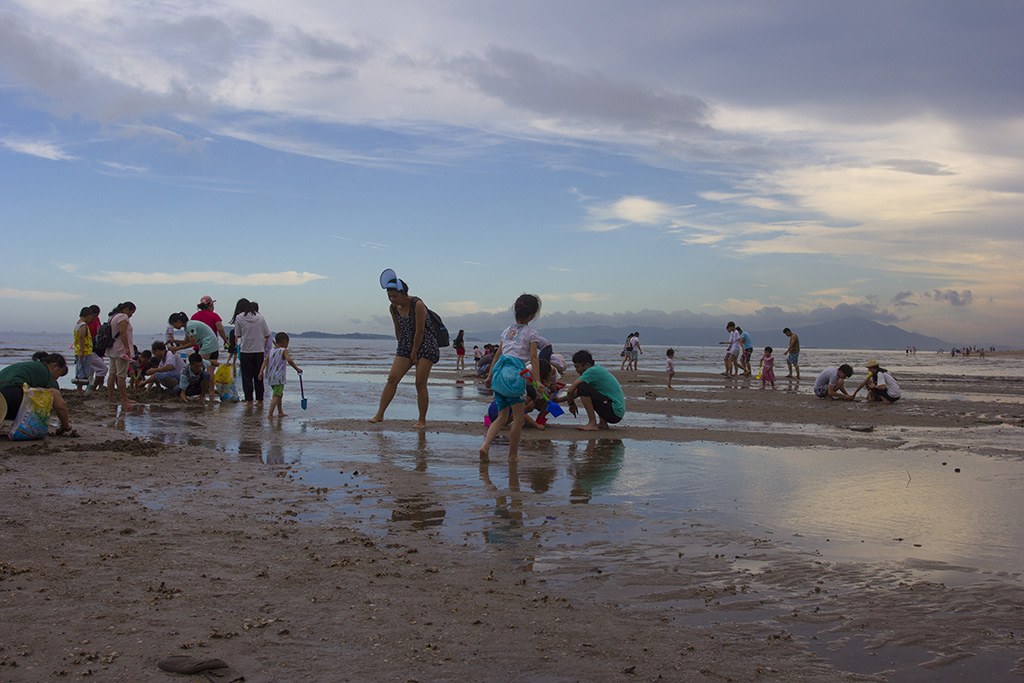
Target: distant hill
{"x":850,"y":333}
{"x":351,"y":335}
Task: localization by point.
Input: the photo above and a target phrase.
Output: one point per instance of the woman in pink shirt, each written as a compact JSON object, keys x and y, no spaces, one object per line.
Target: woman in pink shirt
{"x":205,"y":314}
{"x":122,"y":352}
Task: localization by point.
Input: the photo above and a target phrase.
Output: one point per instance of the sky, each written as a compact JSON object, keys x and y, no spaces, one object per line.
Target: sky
{"x":669,"y":163}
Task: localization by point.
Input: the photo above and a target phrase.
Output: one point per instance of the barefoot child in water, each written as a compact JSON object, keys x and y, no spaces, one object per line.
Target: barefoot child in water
{"x":767,"y":367}
{"x":274,"y":370}
{"x":518,"y":345}
{"x":670,"y":365}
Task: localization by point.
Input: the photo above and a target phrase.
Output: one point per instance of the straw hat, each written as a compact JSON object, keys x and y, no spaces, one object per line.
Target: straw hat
{"x":872,"y":364}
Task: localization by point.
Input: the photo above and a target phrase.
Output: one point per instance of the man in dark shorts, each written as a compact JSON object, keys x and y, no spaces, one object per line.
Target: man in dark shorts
{"x":598,"y":390}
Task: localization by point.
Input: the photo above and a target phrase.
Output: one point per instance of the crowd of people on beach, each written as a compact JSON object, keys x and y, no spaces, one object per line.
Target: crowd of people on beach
{"x":522,"y":371}
{"x":188,"y":368}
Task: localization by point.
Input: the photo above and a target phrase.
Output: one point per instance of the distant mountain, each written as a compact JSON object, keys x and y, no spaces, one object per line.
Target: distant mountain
{"x":352,"y":335}
{"x":850,"y":333}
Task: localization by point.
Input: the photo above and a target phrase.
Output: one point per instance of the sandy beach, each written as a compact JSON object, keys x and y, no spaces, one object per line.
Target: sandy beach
{"x":118,"y":551}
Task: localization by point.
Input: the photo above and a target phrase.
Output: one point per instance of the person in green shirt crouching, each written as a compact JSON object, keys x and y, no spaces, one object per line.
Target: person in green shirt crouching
{"x":38,"y":374}
{"x":598,"y":390}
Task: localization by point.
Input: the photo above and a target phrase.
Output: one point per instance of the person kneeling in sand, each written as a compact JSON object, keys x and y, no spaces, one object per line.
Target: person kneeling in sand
{"x":598,"y":390}
{"x":880,"y":383}
{"x":194,"y":379}
{"x":830,"y":383}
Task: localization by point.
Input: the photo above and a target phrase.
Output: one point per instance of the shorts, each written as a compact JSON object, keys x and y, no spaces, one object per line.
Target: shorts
{"x":119,"y":367}
{"x":746,"y":353}
{"x":277,"y":390}
{"x":634,"y":354}
{"x":214,"y":356}
{"x":460,"y":352}
{"x":821,"y":392}
{"x":730,"y":354}
{"x":602,"y":404}
{"x":793,"y":359}
{"x":82,"y":366}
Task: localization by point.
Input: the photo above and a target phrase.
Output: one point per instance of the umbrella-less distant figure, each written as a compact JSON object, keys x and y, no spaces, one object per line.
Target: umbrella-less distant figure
{"x":417,"y":346}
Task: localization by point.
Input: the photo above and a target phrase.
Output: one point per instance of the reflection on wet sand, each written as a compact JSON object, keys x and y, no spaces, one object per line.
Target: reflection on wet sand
{"x":594,"y":469}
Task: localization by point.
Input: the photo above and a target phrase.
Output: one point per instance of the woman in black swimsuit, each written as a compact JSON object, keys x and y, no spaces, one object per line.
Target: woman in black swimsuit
{"x":417,"y":345}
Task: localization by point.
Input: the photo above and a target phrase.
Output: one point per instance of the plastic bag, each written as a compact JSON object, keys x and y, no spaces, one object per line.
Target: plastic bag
{"x":224,"y":375}
{"x":228,"y":392}
{"x":33,"y":419}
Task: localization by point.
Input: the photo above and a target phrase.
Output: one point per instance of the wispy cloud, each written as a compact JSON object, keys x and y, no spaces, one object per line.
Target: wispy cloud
{"x":288,"y":278}
{"x":37,"y":148}
{"x":126,"y":168}
{"x":36,"y":295}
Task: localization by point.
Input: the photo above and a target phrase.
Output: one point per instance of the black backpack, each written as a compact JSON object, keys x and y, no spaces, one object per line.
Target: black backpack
{"x":440,"y":331}
{"x":104,"y":339}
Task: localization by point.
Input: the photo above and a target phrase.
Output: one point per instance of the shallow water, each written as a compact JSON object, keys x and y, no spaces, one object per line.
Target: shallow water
{"x":845,"y":504}
{"x":851,"y":504}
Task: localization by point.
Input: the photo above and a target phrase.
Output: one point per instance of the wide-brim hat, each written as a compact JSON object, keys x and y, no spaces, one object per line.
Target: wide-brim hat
{"x":872,"y":364}
{"x":3,"y":407}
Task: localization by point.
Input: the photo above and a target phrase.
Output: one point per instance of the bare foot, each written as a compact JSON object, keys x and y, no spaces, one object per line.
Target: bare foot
{"x":376,"y":418}
{"x":513,"y":458}
{"x":420,"y":425}
{"x":485,"y":453}
{"x":589,"y":427}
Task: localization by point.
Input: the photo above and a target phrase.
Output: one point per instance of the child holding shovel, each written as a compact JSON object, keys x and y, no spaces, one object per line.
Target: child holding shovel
{"x":275,"y":367}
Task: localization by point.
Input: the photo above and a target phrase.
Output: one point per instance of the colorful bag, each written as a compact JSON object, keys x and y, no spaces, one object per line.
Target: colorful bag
{"x":506,"y":379}
{"x":223,"y":375}
{"x":224,"y":381}
{"x":33,"y":419}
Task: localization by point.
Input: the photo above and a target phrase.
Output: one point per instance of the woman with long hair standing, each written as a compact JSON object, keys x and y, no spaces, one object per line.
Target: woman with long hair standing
{"x":251,"y":333}
{"x":122,"y":352}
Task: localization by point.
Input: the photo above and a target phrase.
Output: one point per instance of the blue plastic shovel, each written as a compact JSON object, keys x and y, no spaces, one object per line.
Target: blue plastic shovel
{"x":302,"y":392}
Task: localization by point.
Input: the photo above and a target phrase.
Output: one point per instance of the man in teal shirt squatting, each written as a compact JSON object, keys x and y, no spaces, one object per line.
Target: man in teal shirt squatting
{"x":598,"y":390}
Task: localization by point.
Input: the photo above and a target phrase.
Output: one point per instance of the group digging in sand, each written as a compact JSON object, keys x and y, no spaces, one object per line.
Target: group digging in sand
{"x":521,"y":371}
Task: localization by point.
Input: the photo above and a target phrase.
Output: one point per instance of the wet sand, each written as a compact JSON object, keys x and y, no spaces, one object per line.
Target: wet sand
{"x":117,"y":551}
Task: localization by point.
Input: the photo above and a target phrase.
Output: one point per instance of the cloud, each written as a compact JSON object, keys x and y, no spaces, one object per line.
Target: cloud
{"x":37,"y":148}
{"x":631,"y":210}
{"x":522,"y":80}
{"x":460,"y":308}
{"x":903,"y":299}
{"x":952,"y":297}
{"x":286,"y":278}
{"x":125,"y":167}
{"x":918,"y":166}
{"x":36,"y":295}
